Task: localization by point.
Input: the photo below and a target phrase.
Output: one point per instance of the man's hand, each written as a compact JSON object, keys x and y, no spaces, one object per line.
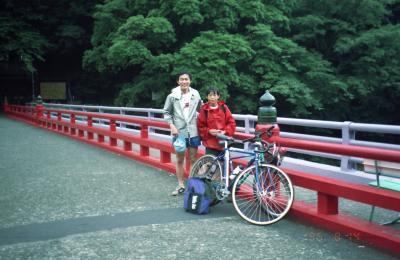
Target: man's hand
{"x":174,"y":131}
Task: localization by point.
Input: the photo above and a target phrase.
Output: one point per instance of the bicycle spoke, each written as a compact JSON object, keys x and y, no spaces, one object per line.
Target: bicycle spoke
{"x":263,"y":200}
{"x":207,"y":166}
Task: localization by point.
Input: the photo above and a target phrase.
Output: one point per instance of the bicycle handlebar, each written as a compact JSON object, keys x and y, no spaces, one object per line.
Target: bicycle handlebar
{"x":257,"y":136}
{"x":255,"y":139}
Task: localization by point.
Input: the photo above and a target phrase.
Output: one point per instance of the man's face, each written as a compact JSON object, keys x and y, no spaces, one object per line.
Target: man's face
{"x":184,"y":82}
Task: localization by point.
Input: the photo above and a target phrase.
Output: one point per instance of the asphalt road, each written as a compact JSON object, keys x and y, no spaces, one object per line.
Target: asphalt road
{"x":62,"y":199}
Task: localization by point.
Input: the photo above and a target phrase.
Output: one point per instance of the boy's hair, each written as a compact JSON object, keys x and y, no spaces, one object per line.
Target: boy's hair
{"x":213,"y":90}
{"x":183,"y":73}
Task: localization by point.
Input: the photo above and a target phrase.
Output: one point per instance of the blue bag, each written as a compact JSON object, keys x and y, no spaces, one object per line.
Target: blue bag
{"x":180,"y":144}
{"x":195,"y":199}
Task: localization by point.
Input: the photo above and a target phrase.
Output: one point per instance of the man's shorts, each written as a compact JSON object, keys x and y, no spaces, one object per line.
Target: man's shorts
{"x":190,"y":142}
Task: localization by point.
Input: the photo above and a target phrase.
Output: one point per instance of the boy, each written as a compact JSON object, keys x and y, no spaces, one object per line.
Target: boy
{"x":214,"y":118}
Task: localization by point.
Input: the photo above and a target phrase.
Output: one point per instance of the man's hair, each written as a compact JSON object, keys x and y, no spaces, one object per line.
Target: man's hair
{"x":213,"y":90}
{"x":183,"y":73}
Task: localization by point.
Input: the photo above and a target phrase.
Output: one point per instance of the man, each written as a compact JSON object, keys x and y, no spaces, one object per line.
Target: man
{"x":180,"y":111}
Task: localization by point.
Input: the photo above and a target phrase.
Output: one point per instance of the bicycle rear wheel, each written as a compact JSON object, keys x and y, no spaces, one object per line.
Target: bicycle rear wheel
{"x":265,"y":200}
{"x":208,"y":167}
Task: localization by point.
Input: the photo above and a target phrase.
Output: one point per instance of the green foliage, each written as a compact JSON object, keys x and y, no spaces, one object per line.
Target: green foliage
{"x":147,"y":30}
{"x":213,"y":58}
{"x":19,"y":40}
{"x":357,"y":37}
{"x":373,"y":72}
{"x":29,"y":30}
{"x":321,"y":59}
{"x":188,"y":11}
{"x":124,"y":53}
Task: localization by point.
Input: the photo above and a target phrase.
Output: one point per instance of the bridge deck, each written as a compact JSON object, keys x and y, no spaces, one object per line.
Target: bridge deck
{"x":60,"y":198}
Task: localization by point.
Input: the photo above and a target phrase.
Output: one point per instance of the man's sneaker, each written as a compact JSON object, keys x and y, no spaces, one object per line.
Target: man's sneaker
{"x":178,"y":190}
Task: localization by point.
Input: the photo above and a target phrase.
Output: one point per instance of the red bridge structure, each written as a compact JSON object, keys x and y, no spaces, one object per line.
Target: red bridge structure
{"x":324,"y":213}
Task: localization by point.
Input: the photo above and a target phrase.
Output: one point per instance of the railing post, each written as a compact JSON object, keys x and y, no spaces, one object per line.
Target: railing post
{"x":267,"y":117}
{"x":101,"y":122}
{"x":248,"y":124}
{"x":144,"y":134}
{"x":39,"y":110}
{"x":90,"y":125}
{"x":347,"y":135}
{"x":66,"y":127}
{"x":246,"y":130}
{"x":5,"y":105}
{"x":151,"y":116}
{"x":59,"y":126}
{"x":122,"y":112}
{"x":72,"y":121}
{"x":165,"y":157}
{"x":48,"y":119}
{"x":127,"y":146}
{"x":32,"y":110}
{"x":81,"y":133}
{"x":113,"y":128}
{"x":100,"y":138}
{"x":327,"y":204}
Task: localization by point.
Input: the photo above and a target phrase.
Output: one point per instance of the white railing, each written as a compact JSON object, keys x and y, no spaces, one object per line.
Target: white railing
{"x":246,"y":123}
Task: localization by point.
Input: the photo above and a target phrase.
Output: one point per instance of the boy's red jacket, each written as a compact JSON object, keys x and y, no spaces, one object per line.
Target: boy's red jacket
{"x":216,"y":119}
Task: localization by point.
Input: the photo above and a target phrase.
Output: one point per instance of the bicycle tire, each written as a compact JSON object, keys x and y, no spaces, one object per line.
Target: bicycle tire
{"x":264,"y":202}
{"x":200,"y":170}
{"x":203,"y":164}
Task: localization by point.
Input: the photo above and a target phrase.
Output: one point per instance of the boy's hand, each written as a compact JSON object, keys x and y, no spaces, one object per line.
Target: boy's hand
{"x":216,"y":131}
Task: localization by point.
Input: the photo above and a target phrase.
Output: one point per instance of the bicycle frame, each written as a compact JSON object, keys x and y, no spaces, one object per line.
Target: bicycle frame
{"x":228,"y":165}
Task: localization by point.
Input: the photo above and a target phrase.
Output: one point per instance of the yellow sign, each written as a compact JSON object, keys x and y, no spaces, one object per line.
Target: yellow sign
{"x":53,"y":90}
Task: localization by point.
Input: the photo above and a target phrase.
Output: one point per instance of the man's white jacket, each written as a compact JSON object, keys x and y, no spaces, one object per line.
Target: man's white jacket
{"x":173,"y":112}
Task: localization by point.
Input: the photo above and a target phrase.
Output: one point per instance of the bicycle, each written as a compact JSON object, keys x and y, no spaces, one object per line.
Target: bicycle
{"x":262,"y":193}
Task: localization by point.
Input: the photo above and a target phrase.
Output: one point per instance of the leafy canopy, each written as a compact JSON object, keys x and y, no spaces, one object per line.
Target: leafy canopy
{"x":321,"y":59}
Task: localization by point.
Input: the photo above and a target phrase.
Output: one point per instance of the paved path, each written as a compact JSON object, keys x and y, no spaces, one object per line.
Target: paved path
{"x":62,"y":199}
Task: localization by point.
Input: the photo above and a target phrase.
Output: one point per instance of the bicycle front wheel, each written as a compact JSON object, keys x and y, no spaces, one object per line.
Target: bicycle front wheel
{"x":208,"y":167}
{"x":263,"y":200}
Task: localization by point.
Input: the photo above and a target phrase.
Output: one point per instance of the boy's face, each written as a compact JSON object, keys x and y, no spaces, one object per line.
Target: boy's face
{"x":213,"y":98}
{"x":184,"y":82}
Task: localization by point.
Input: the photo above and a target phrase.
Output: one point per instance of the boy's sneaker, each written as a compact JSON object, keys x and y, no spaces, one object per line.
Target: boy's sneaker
{"x":178,"y":190}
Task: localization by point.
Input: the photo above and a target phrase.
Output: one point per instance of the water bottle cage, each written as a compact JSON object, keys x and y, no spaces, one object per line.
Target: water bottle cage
{"x":261,"y":157}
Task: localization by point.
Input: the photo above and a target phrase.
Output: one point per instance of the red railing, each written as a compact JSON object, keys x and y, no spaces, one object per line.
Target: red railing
{"x":104,"y":137}
{"x":324,"y":213}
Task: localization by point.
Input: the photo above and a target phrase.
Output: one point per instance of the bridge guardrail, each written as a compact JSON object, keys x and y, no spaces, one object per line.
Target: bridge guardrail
{"x":348,"y":130}
{"x":325,"y":212}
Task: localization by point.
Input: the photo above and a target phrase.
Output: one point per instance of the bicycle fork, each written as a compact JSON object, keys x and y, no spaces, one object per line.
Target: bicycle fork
{"x":265,"y":179}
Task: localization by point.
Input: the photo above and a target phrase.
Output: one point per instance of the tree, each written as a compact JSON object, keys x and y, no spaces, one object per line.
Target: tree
{"x":223,"y":43}
{"x":45,"y":38}
{"x":373,"y":72}
{"x":19,"y":39}
{"x":358,"y":38}
{"x":307,"y":53}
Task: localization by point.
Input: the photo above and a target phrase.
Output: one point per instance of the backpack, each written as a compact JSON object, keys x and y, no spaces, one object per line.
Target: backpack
{"x":196,"y":198}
